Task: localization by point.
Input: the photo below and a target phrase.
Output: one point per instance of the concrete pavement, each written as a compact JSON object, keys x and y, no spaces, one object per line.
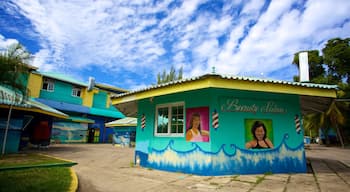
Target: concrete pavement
{"x":102,"y":167}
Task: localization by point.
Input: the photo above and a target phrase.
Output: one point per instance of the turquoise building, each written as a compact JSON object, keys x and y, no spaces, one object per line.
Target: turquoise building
{"x":226,"y":108}
{"x":19,"y":114}
{"x":57,"y":108}
{"x":87,"y":104}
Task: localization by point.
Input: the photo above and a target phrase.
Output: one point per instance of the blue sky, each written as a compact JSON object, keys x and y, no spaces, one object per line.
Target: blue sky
{"x":127,"y":43}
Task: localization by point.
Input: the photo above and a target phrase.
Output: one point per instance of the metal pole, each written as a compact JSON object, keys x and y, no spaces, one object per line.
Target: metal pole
{"x":6,"y":130}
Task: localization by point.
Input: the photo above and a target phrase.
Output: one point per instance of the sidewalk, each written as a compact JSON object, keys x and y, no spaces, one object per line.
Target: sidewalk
{"x":102,"y":167}
{"x":331,"y":166}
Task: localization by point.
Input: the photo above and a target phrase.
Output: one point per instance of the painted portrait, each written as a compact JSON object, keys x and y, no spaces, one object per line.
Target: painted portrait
{"x":258,"y":134}
{"x":197,"y":124}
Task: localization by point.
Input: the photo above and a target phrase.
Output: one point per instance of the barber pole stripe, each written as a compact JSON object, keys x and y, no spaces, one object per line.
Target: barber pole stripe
{"x":143,"y":121}
{"x":297,"y":124}
{"x":215,"y":118}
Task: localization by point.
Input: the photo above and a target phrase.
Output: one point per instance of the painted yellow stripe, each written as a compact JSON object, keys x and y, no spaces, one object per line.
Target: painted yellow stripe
{"x":217,"y":82}
{"x":121,"y":125}
{"x":36,"y":111}
{"x":74,"y":183}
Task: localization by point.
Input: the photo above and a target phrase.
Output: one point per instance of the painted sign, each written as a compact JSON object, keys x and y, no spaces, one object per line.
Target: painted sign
{"x":231,"y":104}
{"x":69,"y":132}
{"x":197,"y":123}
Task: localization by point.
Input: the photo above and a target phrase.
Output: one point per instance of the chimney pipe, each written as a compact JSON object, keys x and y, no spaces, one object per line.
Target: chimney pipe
{"x":303,"y":67}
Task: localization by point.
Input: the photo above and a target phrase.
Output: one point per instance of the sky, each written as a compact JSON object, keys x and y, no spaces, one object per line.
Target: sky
{"x":127,"y":43}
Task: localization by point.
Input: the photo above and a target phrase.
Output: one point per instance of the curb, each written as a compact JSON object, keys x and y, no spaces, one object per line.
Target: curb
{"x":68,"y":163}
{"x":74,"y":183}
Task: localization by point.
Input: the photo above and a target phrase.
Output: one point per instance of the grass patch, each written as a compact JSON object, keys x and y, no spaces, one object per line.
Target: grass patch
{"x":259,"y":179}
{"x":234,"y":177}
{"x":27,"y":160}
{"x":207,"y":179}
{"x":213,"y":183}
{"x":36,"y":179}
{"x":268,"y":173}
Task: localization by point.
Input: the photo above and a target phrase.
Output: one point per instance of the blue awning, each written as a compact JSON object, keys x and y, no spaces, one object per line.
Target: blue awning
{"x":65,"y":106}
{"x":110,"y":112}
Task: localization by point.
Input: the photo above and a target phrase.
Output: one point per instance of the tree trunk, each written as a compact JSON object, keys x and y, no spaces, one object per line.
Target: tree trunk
{"x":339,"y":135}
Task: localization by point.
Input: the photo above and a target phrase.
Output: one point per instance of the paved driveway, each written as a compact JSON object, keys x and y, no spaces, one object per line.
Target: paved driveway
{"x":104,"y":168}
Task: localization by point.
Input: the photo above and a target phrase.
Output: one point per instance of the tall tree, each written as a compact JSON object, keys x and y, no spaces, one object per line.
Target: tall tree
{"x":336,"y":55}
{"x":13,"y":65}
{"x":171,"y":76}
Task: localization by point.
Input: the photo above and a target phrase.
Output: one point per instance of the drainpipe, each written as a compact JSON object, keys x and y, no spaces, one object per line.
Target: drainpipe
{"x":6,"y":130}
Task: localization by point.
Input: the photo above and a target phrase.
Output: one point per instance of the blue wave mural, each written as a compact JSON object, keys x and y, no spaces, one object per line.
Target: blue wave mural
{"x":228,"y":160}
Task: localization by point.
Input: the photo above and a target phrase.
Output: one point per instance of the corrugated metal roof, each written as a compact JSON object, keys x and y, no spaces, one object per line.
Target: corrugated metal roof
{"x":44,"y":107}
{"x":9,"y":97}
{"x":127,"y":121}
{"x":62,"y":77}
{"x":230,"y":77}
{"x":110,"y":88}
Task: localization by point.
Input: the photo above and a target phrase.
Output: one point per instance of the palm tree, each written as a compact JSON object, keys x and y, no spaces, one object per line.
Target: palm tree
{"x":13,"y":65}
{"x":333,"y":118}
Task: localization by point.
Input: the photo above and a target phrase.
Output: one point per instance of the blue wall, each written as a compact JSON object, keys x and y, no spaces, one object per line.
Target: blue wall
{"x":225,"y":152}
{"x":13,"y":134}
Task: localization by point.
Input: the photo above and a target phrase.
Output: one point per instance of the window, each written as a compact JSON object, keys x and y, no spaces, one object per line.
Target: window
{"x":48,"y":85}
{"x":170,"y":119}
{"x":76,"y":91}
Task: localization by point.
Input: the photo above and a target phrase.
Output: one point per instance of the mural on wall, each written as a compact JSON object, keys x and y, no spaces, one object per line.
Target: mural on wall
{"x":258,"y":134}
{"x":229,"y":159}
{"x":197,"y":124}
{"x":14,"y":124}
{"x":266,"y":125}
{"x":69,"y":132}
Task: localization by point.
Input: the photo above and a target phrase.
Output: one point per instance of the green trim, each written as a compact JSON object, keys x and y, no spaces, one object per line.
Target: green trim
{"x":106,"y":112}
{"x":21,"y":167}
{"x":81,"y":119}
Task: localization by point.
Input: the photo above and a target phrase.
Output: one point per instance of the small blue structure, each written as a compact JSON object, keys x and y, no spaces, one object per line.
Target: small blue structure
{"x":124,"y":131}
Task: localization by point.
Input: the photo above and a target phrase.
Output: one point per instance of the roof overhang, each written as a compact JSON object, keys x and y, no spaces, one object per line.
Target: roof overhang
{"x":11,"y":99}
{"x":217,"y":81}
{"x":125,"y":122}
{"x":307,"y":90}
{"x":37,"y":108}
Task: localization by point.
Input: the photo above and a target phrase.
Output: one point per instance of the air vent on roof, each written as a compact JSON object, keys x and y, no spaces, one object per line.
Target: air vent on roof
{"x":91,"y":83}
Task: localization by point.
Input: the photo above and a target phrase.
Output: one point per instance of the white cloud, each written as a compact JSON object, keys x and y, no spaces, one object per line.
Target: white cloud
{"x":5,"y":43}
{"x":148,"y":37}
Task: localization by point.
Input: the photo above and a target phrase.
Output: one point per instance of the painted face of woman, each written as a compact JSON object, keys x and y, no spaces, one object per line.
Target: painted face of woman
{"x":196,"y":122}
{"x":260,"y":133}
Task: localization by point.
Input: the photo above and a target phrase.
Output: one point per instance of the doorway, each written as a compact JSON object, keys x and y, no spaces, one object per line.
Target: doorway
{"x":93,"y":135}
